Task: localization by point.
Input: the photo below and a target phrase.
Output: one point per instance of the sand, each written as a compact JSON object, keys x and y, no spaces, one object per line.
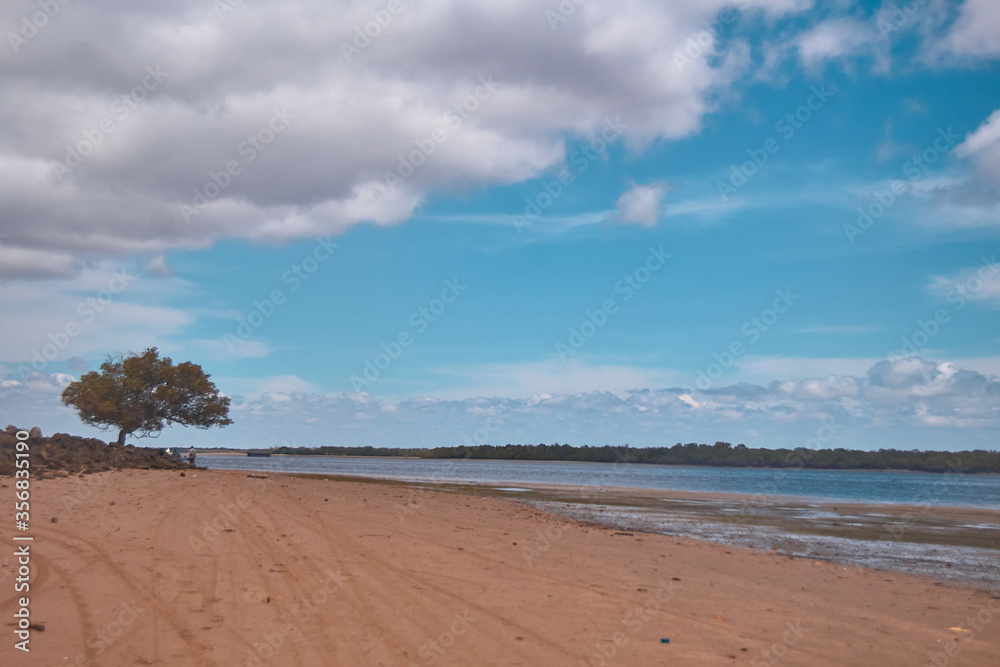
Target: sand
{"x":947,"y":543}
{"x":221,"y":568}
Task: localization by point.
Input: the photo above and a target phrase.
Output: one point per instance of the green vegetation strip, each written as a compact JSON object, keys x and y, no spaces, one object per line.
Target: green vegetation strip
{"x":720,"y":454}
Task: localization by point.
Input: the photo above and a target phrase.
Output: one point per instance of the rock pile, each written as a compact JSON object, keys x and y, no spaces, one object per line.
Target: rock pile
{"x":62,"y":454}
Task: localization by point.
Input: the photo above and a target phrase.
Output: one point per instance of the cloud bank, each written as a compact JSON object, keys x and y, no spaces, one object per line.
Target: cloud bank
{"x":185,"y":123}
{"x":903,"y":402}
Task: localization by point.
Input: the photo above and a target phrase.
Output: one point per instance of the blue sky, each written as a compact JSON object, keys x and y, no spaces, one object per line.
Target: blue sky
{"x":496,"y":222}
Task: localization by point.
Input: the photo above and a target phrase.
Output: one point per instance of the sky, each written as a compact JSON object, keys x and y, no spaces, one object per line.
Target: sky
{"x":416,"y":224}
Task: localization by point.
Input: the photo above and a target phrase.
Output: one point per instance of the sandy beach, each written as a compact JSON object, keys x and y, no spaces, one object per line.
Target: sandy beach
{"x":140,"y":567}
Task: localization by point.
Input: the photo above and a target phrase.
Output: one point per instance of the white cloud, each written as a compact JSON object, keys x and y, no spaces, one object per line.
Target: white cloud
{"x":979,"y":284}
{"x":941,"y":202}
{"x":708,"y":208}
{"x":763,"y":370}
{"x":106,"y":307}
{"x":849,"y":37}
{"x":986,"y":136}
{"x":443,"y":85}
{"x":277,"y":387}
{"x":641,"y":204}
{"x":690,"y":401}
{"x":351,"y":123}
{"x":30,"y":263}
{"x":549,"y":376}
{"x":983,"y":146}
{"x":904,"y":402}
{"x":976,"y":31}
{"x":835,"y":38}
{"x":157,"y":266}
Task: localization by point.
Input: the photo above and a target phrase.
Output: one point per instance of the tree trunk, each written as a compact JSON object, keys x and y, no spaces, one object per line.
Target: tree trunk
{"x":121,"y":437}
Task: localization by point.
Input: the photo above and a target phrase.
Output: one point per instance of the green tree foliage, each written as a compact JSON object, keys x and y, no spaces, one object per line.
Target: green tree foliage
{"x":725,"y":455}
{"x":721,"y":454}
{"x":140,"y":394}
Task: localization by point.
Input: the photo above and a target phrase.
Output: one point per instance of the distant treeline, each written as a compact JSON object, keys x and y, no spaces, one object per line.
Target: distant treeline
{"x":719,"y":454}
{"x":350,"y":451}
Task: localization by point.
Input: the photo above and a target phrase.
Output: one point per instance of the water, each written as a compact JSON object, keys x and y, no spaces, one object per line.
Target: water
{"x":911,"y":488}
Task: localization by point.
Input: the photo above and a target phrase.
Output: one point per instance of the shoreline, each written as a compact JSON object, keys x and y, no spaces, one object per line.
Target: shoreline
{"x":630,"y":489}
{"x":232,"y":567}
{"x":242,"y":452}
{"x":764,"y":485}
{"x":954,"y":544}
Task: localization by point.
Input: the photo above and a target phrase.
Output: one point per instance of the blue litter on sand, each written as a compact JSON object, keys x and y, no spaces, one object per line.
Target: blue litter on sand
{"x":664,"y":640}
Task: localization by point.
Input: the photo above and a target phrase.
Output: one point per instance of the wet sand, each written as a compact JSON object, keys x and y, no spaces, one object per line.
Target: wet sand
{"x":946,"y":543}
{"x":229,"y":568}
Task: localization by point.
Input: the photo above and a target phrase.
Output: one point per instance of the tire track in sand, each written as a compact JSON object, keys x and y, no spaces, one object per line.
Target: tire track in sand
{"x":182,"y":631}
{"x":356,"y":653}
{"x":44,"y":564}
{"x":386,"y":572}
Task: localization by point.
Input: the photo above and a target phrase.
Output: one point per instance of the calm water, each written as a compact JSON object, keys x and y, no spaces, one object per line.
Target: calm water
{"x":849,"y":486}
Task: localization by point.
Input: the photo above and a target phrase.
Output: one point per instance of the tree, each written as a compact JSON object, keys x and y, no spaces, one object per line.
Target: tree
{"x":143,"y":393}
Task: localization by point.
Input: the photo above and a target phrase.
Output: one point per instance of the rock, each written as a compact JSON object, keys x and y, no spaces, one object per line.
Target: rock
{"x":62,"y":454}
{"x":35,"y":432}
{"x":11,"y":429}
